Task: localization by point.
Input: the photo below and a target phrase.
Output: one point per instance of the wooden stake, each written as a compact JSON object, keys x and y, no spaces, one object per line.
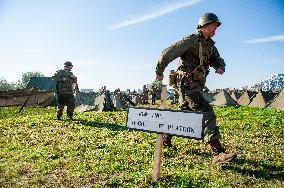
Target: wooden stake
{"x":159,"y":142}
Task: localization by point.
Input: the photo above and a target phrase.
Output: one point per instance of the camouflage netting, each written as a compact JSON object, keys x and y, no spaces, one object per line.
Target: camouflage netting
{"x":35,"y":98}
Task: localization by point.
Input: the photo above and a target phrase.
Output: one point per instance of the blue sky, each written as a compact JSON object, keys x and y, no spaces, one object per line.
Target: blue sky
{"x":117,"y":43}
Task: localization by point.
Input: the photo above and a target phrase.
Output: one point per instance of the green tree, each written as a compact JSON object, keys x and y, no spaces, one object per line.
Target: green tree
{"x":4,"y":85}
{"x":157,"y":86}
{"x":26,"y":77}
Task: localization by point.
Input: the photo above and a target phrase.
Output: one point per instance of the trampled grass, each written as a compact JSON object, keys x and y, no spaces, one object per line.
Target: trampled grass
{"x":97,"y":150}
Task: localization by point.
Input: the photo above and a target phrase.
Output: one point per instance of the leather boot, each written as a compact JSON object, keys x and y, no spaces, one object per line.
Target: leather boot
{"x":58,"y":117}
{"x":219,"y":153}
{"x":167,"y":140}
{"x":70,"y":117}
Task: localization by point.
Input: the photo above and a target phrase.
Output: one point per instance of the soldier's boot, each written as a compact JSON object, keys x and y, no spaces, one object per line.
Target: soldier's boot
{"x":59,"y":112}
{"x":70,"y":116}
{"x":220,"y":155}
{"x":167,"y":140}
{"x":58,"y":115}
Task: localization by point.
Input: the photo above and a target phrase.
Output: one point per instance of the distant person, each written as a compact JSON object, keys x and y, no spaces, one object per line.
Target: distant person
{"x":197,"y":53}
{"x":145,"y":95}
{"x":66,"y":86}
{"x":154,"y":95}
{"x":173,"y":82}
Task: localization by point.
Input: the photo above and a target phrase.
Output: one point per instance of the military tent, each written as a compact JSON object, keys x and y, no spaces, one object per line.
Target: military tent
{"x":261,"y":99}
{"x":246,"y":98}
{"x":235,"y":95}
{"x":89,"y":101}
{"x":42,"y":83}
{"x":32,"y":96}
{"x":120,"y":100}
{"x":102,"y":101}
{"x":278,"y":101}
{"x":223,"y":99}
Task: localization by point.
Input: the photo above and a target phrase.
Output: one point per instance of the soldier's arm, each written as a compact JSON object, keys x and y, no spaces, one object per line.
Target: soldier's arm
{"x":216,"y":61}
{"x":73,"y":78}
{"x":171,"y":53}
{"x":58,"y":77}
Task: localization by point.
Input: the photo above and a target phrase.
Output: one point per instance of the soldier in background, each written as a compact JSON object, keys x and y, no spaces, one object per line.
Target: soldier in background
{"x":145,"y":95}
{"x":197,"y":53}
{"x":66,"y":86}
{"x":173,"y":82}
{"x":154,"y":94}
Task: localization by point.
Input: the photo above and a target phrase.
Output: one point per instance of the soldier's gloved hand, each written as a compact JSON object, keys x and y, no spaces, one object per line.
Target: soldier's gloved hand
{"x":219,"y":71}
{"x":73,"y":77}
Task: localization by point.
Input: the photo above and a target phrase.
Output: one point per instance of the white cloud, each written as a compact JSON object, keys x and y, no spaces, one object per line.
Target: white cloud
{"x":155,"y":13}
{"x":275,"y":38}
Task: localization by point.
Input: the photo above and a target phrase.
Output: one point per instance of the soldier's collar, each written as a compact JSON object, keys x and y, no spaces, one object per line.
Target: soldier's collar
{"x":202,"y":39}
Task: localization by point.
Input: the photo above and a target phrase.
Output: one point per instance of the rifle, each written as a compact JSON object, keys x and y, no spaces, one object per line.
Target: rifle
{"x":34,"y":88}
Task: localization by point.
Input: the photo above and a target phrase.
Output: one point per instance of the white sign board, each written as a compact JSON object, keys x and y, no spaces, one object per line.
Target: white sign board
{"x":174,"y":122}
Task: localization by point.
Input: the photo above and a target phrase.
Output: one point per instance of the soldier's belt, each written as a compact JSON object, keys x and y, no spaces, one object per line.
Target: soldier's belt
{"x":199,"y":73}
{"x":187,"y":79}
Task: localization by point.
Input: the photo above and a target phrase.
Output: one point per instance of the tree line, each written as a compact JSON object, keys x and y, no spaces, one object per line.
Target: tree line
{"x":21,"y":83}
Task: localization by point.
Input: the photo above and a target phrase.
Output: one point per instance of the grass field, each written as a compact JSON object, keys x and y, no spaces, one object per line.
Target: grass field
{"x":97,"y":150}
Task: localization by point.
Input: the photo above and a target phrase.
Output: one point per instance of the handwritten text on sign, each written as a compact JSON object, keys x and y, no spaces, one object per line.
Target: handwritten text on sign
{"x":181,"y":123}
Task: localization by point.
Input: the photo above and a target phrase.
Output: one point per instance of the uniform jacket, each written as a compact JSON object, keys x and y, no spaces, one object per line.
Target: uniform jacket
{"x":187,"y":50}
{"x":65,"y":87}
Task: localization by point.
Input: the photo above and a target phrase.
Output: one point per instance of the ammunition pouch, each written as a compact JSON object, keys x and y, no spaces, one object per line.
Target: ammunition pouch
{"x":185,"y":79}
{"x":173,"y":79}
{"x":199,"y":73}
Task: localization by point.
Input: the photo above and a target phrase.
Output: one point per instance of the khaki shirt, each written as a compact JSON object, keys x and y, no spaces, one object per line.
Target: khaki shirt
{"x":187,"y":50}
{"x":65,"y":87}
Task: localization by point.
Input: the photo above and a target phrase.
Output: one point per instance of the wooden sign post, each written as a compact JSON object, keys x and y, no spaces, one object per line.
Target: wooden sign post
{"x":162,"y":121}
{"x":159,"y":142}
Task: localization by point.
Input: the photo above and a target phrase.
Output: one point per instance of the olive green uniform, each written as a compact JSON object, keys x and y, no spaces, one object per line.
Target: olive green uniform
{"x":145,"y":95}
{"x":196,"y":55}
{"x":66,"y":84}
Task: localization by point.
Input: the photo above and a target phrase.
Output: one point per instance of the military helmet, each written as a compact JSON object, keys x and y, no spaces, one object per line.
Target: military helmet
{"x":208,"y":18}
{"x":68,"y":63}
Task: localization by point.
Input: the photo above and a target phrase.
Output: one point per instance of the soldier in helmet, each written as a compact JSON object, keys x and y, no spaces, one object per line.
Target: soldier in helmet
{"x":173,"y":83}
{"x":66,"y":85}
{"x":145,"y":92}
{"x":196,"y":54}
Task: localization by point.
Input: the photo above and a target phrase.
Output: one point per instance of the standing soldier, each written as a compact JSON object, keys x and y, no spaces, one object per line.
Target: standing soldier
{"x":145,"y":95}
{"x":197,"y":53}
{"x":154,"y":94}
{"x":173,"y":82}
{"x":66,"y":86}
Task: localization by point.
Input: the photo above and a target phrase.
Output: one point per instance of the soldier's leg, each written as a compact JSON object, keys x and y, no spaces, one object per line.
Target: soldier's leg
{"x":198,"y":103}
{"x":70,"y":106}
{"x":60,"y":106}
{"x":183,"y":105}
{"x":211,"y":131}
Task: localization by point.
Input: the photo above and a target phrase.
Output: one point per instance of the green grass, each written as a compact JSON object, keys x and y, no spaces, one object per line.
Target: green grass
{"x":98,"y":151}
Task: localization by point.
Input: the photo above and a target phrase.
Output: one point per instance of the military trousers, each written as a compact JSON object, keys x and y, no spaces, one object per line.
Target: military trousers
{"x":193,"y":100}
{"x":65,"y":100}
